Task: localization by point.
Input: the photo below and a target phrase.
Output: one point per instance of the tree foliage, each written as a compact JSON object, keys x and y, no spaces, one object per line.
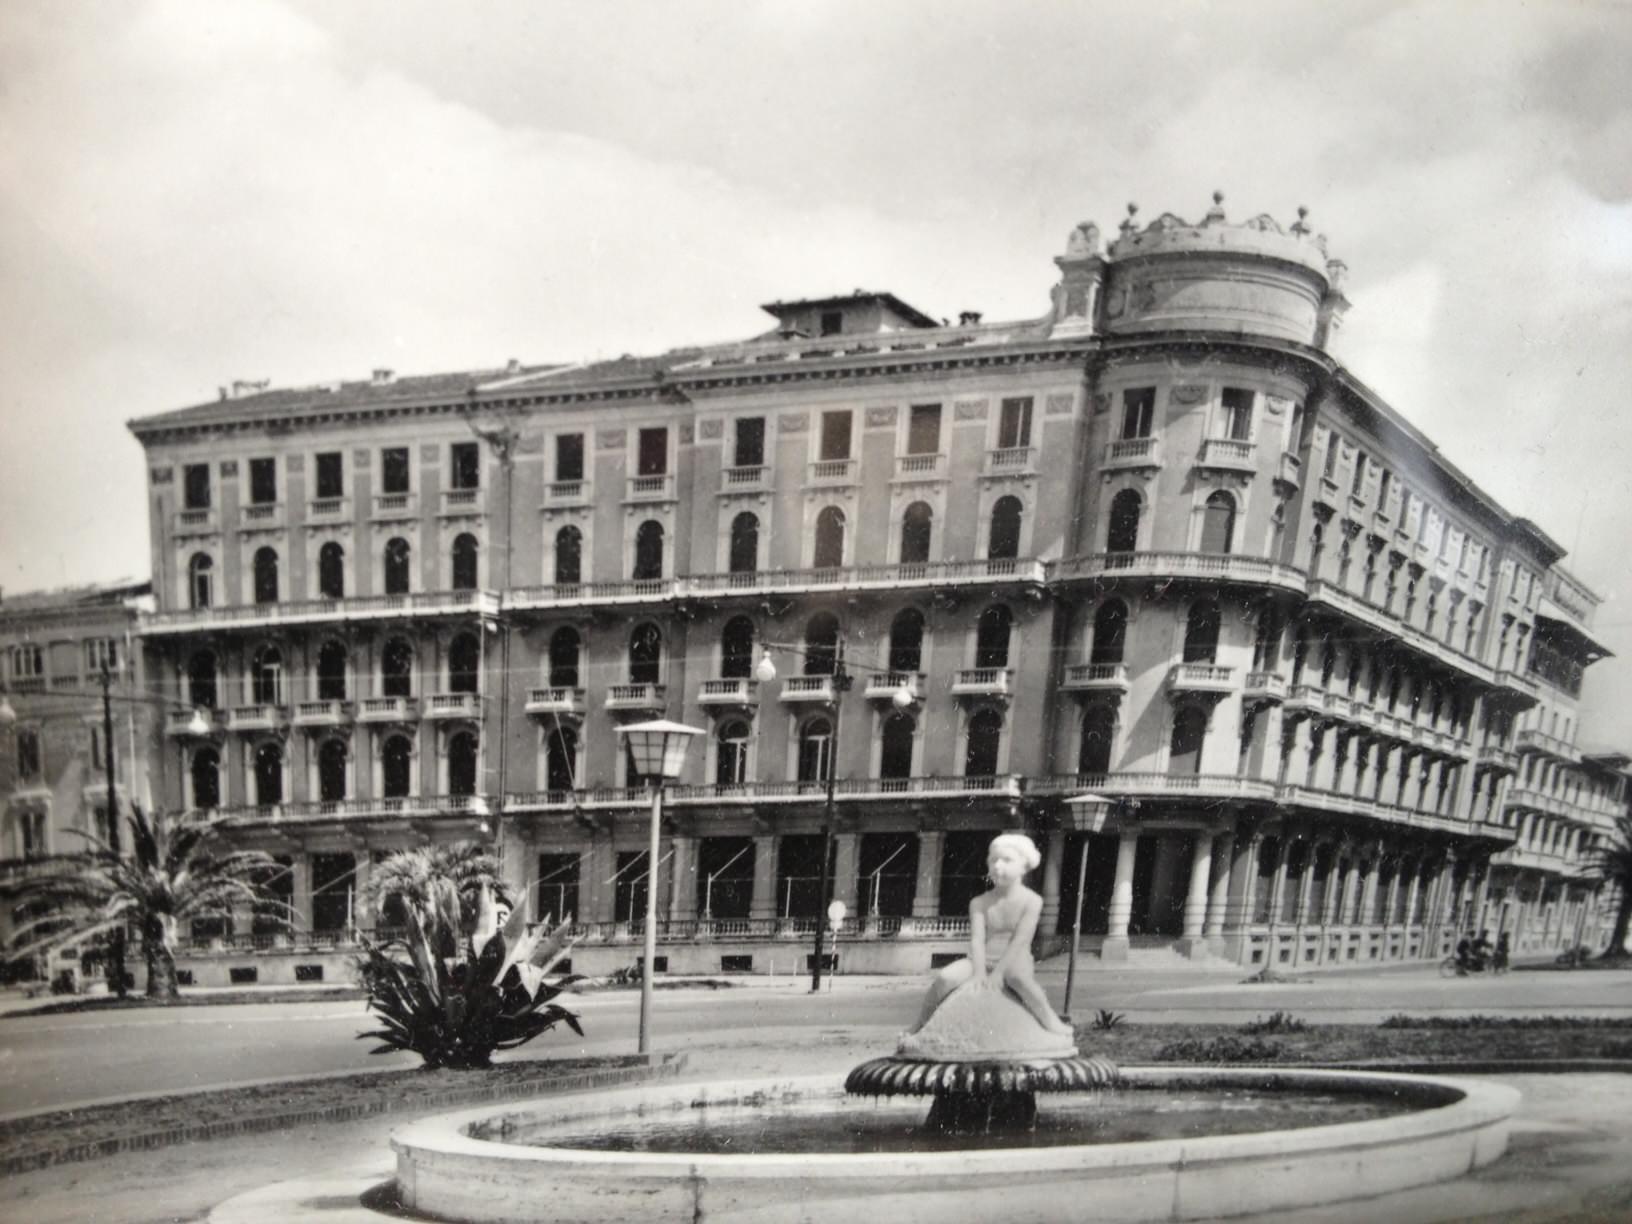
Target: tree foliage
{"x":1610,"y":862}
{"x":456,"y":997}
{"x":178,"y":870}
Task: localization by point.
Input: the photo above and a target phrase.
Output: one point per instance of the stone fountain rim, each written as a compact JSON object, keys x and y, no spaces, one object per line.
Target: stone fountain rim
{"x":1450,"y":1107}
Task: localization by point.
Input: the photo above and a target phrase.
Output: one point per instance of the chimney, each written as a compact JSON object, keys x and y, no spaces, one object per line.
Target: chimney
{"x":513,"y":366}
{"x":383,"y":376}
{"x":968,"y":318}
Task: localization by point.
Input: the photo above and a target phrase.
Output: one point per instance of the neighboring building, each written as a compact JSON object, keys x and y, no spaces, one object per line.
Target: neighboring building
{"x":1156,"y":544}
{"x":53,"y":781}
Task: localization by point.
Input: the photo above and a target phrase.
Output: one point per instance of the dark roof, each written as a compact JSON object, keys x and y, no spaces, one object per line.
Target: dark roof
{"x":910,"y":313}
{"x":110,"y":595}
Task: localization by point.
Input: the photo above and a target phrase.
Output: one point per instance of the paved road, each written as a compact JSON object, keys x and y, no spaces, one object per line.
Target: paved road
{"x":51,"y":1061}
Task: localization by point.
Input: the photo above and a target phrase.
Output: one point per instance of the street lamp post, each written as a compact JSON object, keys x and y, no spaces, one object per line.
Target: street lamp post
{"x":657,"y":750}
{"x":1088,"y":814}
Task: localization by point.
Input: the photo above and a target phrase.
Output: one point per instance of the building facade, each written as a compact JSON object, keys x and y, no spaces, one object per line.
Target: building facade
{"x":54,"y":647}
{"x":1156,"y":545}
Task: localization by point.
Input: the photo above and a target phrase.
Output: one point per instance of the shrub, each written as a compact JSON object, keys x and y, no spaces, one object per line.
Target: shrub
{"x":1277,"y":1022}
{"x":1105,"y":1020}
{"x":1225,"y":1049}
{"x":1402,"y":1021}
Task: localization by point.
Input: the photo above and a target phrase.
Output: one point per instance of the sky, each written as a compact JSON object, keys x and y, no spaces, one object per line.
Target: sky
{"x":193,"y":191}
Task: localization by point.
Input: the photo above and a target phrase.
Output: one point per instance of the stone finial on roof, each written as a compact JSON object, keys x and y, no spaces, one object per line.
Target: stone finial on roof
{"x":1215,"y":214}
{"x":1083,"y":242}
{"x":1129,"y":226}
{"x":1300,"y":227}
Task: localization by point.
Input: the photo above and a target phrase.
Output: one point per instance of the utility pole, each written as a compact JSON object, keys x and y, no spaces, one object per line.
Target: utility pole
{"x":116,"y":939}
{"x":841,"y":685}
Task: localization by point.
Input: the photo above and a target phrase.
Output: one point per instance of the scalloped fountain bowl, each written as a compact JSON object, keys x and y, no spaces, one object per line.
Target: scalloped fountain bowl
{"x":1162,"y":1143}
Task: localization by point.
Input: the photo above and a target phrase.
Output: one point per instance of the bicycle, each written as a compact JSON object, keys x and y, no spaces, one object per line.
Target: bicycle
{"x":1451,"y":966}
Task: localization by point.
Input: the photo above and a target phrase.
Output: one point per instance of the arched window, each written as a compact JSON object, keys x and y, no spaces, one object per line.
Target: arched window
{"x":331,"y":671}
{"x":201,"y":580}
{"x":1189,"y":730}
{"x":1122,"y":534}
{"x":645,"y":654}
{"x":462,"y":763}
{"x":985,"y":738}
{"x":464,"y":562}
{"x":201,"y":689}
{"x":1218,"y":524}
{"x":396,"y":566}
{"x":560,"y":757}
{"x":569,"y":556}
{"x":266,"y":575}
{"x":397,"y":767}
{"x":331,"y":771}
{"x":464,"y":664}
{"x":1201,"y":632}
{"x":1005,"y":535}
{"x":916,"y":523}
{"x":744,"y":558}
{"x":648,"y":551}
{"x":564,"y":649}
{"x":815,"y":750}
{"x":829,"y":552}
{"x":907,"y":641}
{"x":397,"y":669}
{"x":206,"y":779}
{"x":821,"y":644}
{"x":895,"y":748}
{"x":992,"y":637}
{"x":268,"y":774}
{"x":331,"y":571}
{"x":731,"y":753}
{"x":1098,"y":734}
{"x":1110,"y":632}
{"x":266,"y":676}
{"x":737,"y":649}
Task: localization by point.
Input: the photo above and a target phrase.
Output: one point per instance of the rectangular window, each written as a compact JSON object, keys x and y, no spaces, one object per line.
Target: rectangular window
{"x":467,"y":465}
{"x":924,"y":429}
{"x":1358,"y":488}
{"x":569,"y":457}
{"x":1332,"y":446}
{"x":195,"y":483}
{"x":394,"y":469}
{"x":34,"y":835}
{"x":96,"y":748}
{"x":263,"y":481}
{"x":1422,"y":527}
{"x":836,"y":435}
{"x":832,"y":322}
{"x":27,"y":662}
{"x":330,"y":478}
{"x":1237,"y":405}
{"x":1014,"y":423}
{"x":653,"y":454}
{"x":1138,"y":412}
{"x":28,"y":754}
{"x":1384,"y":477}
{"x":750,"y":450}
{"x":100,"y":652}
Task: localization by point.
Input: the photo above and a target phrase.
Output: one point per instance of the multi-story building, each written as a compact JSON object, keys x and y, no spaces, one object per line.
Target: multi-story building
{"x":1156,"y":545}
{"x":54,"y":648}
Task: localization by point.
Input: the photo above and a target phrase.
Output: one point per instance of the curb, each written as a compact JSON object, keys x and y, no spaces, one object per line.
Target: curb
{"x":668,"y":1068}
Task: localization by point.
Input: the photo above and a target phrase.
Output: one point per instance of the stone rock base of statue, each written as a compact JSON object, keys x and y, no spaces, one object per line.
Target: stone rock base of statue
{"x":983,"y":1058}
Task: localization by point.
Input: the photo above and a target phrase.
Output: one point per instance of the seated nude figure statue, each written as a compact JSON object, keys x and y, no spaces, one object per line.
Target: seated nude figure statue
{"x":1002,"y":921}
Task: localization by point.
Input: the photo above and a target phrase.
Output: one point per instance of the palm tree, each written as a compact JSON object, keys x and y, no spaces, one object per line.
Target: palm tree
{"x":439,"y":887}
{"x":1610,"y":862}
{"x":177,"y":871}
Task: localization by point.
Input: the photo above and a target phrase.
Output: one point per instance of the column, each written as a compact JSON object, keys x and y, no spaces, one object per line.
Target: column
{"x":1193,"y":944}
{"x":1411,"y":903}
{"x":1048,"y":922}
{"x":763,"y":904}
{"x":1348,"y":896}
{"x":682,"y":878}
{"x":362,"y":912}
{"x":846,"y":863}
{"x":602,"y":888}
{"x":926,"y":893}
{"x":1115,"y":946}
{"x":1218,"y":885}
{"x":301,"y":876}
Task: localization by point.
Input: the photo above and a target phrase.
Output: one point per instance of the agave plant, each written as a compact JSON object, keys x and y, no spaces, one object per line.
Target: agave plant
{"x":455,"y":999}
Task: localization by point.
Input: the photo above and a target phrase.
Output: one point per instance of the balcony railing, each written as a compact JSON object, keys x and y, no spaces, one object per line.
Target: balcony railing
{"x":1133,"y":453}
{"x":327,"y":713}
{"x":1264,"y":686}
{"x":831,"y":472}
{"x":1095,"y":678}
{"x":567,"y":493}
{"x":1139,"y":783}
{"x":920,"y":467}
{"x":453,"y":705}
{"x":883,"y":686}
{"x":1540,"y":741}
{"x":748,"y":479}
{"x":328,"y":509}
{"x":377,"y":808}
{"x":1201,"y":678}
{"x":195,"y":522}
{"x":928,"y":574}
{"x":296,"y":611}
{"x":1215,"y":567}
{"x":396,"y":505}
{"x":584,"y":594}
{"x":460,"y":502}
{"x":254,"y":717}
{"x":387,"y":709}
{"x":982,"y":681}
{"x":1289,"y":470}
{"x":1377,"y":618}
{"x":179,"y":722}
{"x":557,"y":701}
{"x":1011,"y":461}
{"x":733,"y":691}
{"x":809,"y":791}
{"x":260,"y":516}
{"x":1229,"y":454}
{"x":1493,"y":756}
{"x":655,"y":488}
{"x":799,"y":689}
{"x":636,"y":697}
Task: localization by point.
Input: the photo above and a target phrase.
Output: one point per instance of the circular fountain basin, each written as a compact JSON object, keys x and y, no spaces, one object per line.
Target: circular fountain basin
{"x":1415,"y":1130}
